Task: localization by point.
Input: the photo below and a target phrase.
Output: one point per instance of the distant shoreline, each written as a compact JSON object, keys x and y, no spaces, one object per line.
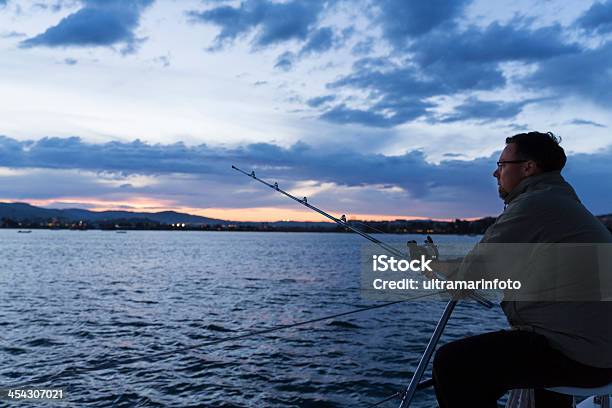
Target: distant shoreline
{"x":457,"y":227}
{"x":338,"y":230}
{"x":23,"y":216}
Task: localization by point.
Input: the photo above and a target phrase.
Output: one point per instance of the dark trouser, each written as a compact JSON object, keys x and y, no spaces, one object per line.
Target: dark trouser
{"x":476,"y":371}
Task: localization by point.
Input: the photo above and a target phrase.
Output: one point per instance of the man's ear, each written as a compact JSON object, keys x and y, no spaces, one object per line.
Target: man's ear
{"x":531,"y":168}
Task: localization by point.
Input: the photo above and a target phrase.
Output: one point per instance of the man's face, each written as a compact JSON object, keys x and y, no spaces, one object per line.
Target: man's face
{"x":509,"y":175}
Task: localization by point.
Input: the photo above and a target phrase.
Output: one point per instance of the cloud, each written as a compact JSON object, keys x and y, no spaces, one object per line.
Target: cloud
{"x":56,"y":6}
{"x":410,"y":183}
{"x":444,"y":63}
{"x":99,"y":23}
{"x":343,"y":114}
{"x":12,"y":34}
{"x":320,"y":100}
{"x":396,"y":94}
{"x":583,"y":74}
{"x":591,"y":176}
{"x":285,"y":61}
{"x":402,"y":20}
{"x":51,"y":152}
{"x":273,"y":22}
{"x":597,"y":19}
{"x":376,"y":116}
{"x":319,"y":41}
{"x":580,"y":122}
{"x":433,"y":56}
{"x":163,"y":60}
{"x":199,"y":166}
{"x":363,"y":47}
{"x":513,"y":41}
{"x":484,"y":111}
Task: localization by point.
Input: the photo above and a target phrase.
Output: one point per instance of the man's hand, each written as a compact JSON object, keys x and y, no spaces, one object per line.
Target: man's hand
{"x":429,"y":250}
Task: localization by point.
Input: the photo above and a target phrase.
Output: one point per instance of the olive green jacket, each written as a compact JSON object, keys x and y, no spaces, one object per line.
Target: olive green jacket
{"x":545,"y":209}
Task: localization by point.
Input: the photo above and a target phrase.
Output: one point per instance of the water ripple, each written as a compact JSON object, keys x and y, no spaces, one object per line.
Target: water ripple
{"x":76,"y":307}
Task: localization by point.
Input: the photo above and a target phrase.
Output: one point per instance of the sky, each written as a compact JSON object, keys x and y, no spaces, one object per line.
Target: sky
{"x":374,"y":109}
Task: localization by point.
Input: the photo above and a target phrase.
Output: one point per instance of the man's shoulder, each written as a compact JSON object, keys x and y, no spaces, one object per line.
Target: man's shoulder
{"x":547,"y":200}
{"x":530,"y":203}
{"x":534,"y":214}
{"x":548,"y":216}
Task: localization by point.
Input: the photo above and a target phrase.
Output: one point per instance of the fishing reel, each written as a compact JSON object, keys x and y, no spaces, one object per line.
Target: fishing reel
{"x":429,"y":250}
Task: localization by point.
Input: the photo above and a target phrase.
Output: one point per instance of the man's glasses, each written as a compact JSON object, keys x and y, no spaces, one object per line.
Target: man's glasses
{"x":501,"y":163}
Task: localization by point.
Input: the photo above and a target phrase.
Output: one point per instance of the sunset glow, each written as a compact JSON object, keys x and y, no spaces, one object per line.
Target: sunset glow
{"x":256,"y":214}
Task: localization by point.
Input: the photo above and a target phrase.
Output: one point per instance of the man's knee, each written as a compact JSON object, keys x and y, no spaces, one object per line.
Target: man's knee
{"x":462,"y":376}
{"x":471,"y":356}
{"x":447,"y":358}
{"x":447,"y":375}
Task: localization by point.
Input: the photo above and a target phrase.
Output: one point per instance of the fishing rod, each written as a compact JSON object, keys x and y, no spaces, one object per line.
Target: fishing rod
{"x":415,"y":381}
{"x":343,"y":222}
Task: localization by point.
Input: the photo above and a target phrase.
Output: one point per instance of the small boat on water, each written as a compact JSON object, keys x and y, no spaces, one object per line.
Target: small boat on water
{"x":121,"y":232}
{"x":24,"y":231}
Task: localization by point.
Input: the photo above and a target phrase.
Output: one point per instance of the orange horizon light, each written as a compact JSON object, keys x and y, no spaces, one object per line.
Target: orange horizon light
{"x":249,"y":214}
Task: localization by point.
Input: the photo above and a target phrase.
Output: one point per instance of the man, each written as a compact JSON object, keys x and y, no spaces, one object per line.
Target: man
{"x":551,"y":343}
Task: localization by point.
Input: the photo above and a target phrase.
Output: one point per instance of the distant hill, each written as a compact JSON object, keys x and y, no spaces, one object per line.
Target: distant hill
{"x":14,"y":215}
{"x":24,"y":211}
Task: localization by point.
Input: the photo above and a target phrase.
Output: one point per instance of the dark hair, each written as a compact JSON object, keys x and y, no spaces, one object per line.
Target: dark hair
{"x":543,"y":148}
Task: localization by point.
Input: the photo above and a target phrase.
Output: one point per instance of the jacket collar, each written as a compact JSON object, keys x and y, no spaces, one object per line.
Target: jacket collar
{"x":550,"y":177}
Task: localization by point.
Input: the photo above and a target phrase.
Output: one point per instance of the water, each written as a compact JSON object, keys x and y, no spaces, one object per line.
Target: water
{"x":74,"y":300}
